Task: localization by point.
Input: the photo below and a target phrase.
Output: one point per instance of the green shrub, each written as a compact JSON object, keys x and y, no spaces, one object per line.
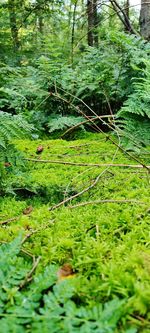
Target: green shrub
{"x":134,"y":116}
{"x":11,"y":127}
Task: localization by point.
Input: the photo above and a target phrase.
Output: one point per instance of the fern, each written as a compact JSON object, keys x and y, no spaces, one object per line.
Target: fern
{"x":11,"y":127}
{"x":47,"y":306}
{"x":60,"y":123}
{"x":134,"y":116}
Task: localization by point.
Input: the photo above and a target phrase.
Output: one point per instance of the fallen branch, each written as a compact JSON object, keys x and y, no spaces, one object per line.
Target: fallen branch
{"x":82,"y":123}
{"x":9,"y":220}
{"x":42,"y":228}
{"x":106,"y":201}
{"x":29,"y":235}
{"x":29,"y":277}
{"x":99,"y":129}
{"x":78,"y":194}
{"x":89,"y":164}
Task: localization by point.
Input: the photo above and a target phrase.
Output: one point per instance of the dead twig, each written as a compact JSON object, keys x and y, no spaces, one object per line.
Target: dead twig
{"x":27,"y":236}
{"x":99,"y":129}
{"x":84,"y":122}
{"x":89,"y":164}
{"x":86,"y":144}
{"x":29,"y":276}
{"x":10,"y":220}
{"x":107,"y":201}
{"x":78,"y":194}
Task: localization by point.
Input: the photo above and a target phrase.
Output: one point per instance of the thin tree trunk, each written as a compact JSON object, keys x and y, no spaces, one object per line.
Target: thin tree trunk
{"x":123,"y":16}
{"x":73,"y":29}
{"x":95,"y":23}
{"x":41,"y":24}
{"x":145,"y":19}
{"x":90,"y":22}
{"x":13,"y":24}
{"x":126,"y":8}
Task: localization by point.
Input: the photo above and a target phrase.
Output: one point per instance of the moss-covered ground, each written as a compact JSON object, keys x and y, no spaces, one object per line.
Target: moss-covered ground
{"x":106,"y":244}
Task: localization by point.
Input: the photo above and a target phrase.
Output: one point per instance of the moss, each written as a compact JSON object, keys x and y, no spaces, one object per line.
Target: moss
{"x":108,"y":244}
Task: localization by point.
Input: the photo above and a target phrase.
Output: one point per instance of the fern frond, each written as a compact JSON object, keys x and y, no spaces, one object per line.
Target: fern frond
{"x":63,"y":123}
{"x":134,"y":116}
{"x":11,"y":127}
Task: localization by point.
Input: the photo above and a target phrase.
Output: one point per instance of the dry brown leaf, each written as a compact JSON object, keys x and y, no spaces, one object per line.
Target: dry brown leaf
{"x":65,"y":271}
{"x":28,"y":210}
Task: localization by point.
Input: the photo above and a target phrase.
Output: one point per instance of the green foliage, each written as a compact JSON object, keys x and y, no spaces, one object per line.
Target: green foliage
{"x":22,"y":91}
{"x":106,"y":244}
{"x":135,"y":113}
{"x":105,"y":74}
{"x":22,"y":310}
{"x":11,"y":127}
{"x":63,"y":123}
{"x":99,"y":78}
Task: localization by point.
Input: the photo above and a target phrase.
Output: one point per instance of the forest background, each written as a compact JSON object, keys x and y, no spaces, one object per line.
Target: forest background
{"x":74,"y":132}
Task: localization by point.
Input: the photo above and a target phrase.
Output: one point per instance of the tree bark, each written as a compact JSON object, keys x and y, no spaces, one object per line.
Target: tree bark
{"x":92,"y":22}
{"x":13,"y":24}
{"x":73,"y":29}
{"x":126,"y":8}
{"x":145,"y":19}
{"x":95,"y":23}
{"x":123,"y":17}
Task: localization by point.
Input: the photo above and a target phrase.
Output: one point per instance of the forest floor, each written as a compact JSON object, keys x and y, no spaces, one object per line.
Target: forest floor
{"x":97,"y":243}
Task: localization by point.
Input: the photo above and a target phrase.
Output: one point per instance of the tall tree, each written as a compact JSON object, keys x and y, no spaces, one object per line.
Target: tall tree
{"x":13,"y":24}
{"x":92,"y":22}
{"x":145,"y":19}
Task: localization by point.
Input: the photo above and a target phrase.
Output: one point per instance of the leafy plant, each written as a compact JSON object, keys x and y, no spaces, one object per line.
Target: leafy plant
{"x":45,"y":305}
{"x":60,"y":123}
{"x":134,"y":116}
{"x":11,"y":127}
{"x":106,"y":244}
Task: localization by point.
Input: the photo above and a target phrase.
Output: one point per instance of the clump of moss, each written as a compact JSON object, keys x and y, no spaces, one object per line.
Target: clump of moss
{"x":106,"y":243}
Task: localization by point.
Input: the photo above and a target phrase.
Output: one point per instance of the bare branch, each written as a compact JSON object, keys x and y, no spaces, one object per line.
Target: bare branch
{"x":9,"y":220}
{"x":96,"y":202}
{"x":29,"y":277}
{"x":78,"y":194}
{"x":138,"y":166}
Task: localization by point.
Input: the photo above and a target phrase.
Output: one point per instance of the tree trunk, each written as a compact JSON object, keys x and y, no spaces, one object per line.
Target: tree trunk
{"x":95,"y":23}
{"x":145,"y":19}
{"x":92,"y":22}
{"x":13,"y":24}
{"x":73,"y":29}
{"x":126,"y":8}
{"x":41,"y":24}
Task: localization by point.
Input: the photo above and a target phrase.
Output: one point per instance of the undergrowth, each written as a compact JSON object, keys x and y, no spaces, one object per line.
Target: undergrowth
{"x":107,"y":244}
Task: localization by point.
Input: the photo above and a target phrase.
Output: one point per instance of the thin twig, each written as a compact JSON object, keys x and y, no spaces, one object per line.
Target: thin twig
{"x":107,"y":201}
{"x":78,"y":194}
{"x":29,"y":235}
{"x":89,"y":164}
{"x":86,"y":144}
{"x":10,"y":220}
{"x":84,"y":122}
{"x":99,"y":129}
{"x":42,"y":228}
{"x":29,"y":275}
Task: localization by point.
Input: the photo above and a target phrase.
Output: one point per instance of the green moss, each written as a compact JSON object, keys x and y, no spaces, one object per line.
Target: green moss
{"x":108,"y":244}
